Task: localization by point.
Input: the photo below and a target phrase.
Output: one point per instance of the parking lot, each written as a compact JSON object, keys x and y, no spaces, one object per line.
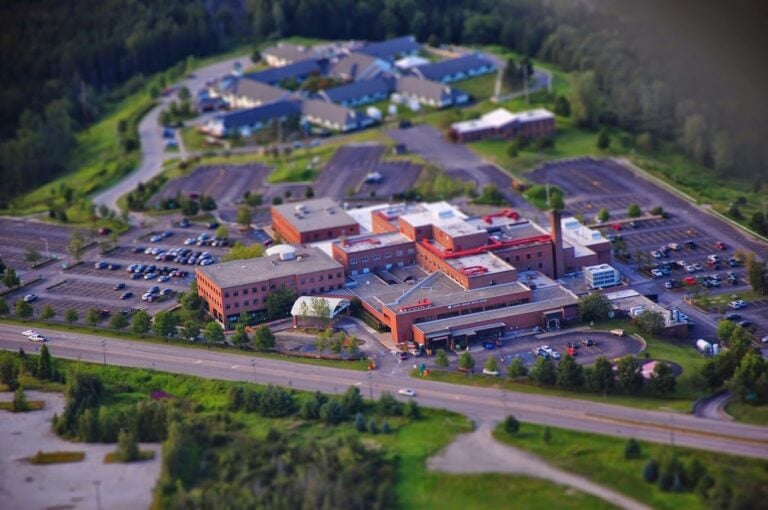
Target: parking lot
{"x":18,"y":236}
{"x":346,"y":175}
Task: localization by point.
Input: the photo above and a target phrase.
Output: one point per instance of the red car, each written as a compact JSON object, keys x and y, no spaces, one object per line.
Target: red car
{"x":720,"y":245}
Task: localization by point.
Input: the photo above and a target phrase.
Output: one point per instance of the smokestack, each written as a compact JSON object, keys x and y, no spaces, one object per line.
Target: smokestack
{"x":557,"y":240}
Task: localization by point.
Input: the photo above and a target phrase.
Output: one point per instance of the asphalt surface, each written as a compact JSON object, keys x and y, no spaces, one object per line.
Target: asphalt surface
{"x":150,"y":134}
{"x":482,"y":404}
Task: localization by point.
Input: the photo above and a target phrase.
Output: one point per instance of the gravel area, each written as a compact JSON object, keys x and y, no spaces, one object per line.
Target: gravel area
{"x":73,"y":485}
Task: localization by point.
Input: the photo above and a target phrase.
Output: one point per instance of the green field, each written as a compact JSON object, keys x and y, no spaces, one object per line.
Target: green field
{"x":601,"y":459}
{"x":741,"y":411}
{"x":689,"y":384}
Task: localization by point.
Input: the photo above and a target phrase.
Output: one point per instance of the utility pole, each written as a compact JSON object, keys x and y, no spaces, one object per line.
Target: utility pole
{"x":48,"y":252}
{"x":253,"y":364}
{"x":370,"y":384}
{"x":525,"y":80}
{"x":104,"y":350}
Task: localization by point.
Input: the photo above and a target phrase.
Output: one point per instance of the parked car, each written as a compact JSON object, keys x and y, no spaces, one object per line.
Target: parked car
{"x":490,"y":372}
{"x":588,"y":342}
{"x":119,"y":286}
{"x":126,"y":295}
{"x":30,"y":298}
{"x":100,"y":265}
{"x":738,"y":304}
{"x":732,"y":316}
{"x":721,"y":245}
{"x":28,"y":332}
{"x":488,"y":346}
{"x":745,"y":323}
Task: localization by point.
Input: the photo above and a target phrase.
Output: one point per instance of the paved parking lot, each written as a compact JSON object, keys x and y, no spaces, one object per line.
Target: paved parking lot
{"x":225,"y":183}
{"x":17,"y":236}
{"x":457,"y":160}
{"x":347,"y":171}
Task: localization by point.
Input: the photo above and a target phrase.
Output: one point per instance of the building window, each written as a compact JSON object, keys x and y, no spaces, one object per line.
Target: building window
{"x":322,"y":289}
{"x":353,"y":261}
{"x":245,"y":303}
{"x":528,"y":255}
{"x":320,"y":278}
{"x":264,"y":300}
{"x":312,"y":291}
{"x":388,"y":255}
{"x":541,"y":265}
{"x":255,"y":290}
{"x":245,"y":292}
{"x":272,"y":286}
{"x":338,"y":275}
{"x":312,"y":279}
{"x":538,"y":254}
{"x":410,"y":251}
{"x":364,"y":260}
{"x":399,"y":253}
{"x":517,"y":258}
{"x":263,"y":288}
{"x":226,"y":307}
{"x":376,"y":257}
{"x":235,"y":293}
{"x":226,"y":294}
{"x":303,"y":281}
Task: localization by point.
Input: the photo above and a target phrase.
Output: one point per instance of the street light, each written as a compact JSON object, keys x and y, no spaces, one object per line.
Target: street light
{"x":47,"y":251}
{"x":370,"y":383}
{"x":104,"y":350}
{"x":253,"y":364}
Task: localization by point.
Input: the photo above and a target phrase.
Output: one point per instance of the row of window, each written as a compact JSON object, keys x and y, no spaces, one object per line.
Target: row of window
{"x":303,"y":281}
{"x":387,"y":255}
{"x":255,"y":302}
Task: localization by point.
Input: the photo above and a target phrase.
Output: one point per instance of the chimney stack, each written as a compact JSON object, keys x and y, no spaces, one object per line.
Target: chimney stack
{"x":557,"y":241}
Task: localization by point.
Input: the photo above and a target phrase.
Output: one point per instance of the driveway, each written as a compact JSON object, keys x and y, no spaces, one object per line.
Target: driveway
{"x":479,"y":452}
{"x":151,"y":136}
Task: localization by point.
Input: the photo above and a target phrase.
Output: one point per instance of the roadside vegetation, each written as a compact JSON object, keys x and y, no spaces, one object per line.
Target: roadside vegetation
{"x":353,"y":450}
{"x":45,"y":458}
{"x":658,"y":475}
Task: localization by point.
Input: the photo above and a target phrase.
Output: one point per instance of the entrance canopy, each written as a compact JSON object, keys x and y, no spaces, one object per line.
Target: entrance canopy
{"x":303,"y":307}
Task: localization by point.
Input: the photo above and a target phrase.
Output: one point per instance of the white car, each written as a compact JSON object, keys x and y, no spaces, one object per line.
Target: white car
{"x":737,"y":305}
{"x":657,"y":273}
{"x":30,"y":298}
{"x":554,"y":354}
{"x":407,"y":392}
{"x":29,"y":332}
{"x":490,"y":372}
{"x":38,"y":338}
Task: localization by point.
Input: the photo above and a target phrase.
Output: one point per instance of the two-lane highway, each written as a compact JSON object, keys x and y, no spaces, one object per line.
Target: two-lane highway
{"x":483,"y":404}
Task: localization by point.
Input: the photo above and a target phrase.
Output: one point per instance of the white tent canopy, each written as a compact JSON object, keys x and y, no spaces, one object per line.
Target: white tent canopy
{"x":335,"y":305}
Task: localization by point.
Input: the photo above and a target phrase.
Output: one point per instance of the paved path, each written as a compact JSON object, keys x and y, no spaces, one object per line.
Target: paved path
{"x":479,"y":452}
{"x":480,"y":404}
{"x":151,"y":137}
{"x":713,"y":408}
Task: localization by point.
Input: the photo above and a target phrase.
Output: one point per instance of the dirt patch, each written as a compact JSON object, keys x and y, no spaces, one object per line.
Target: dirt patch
{"x":70,"y":485}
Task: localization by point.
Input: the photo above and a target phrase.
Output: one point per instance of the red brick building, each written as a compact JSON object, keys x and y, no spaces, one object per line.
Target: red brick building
{"x":501,"y":123}
{"x":312,"y":221}
{"x":232,"y":288}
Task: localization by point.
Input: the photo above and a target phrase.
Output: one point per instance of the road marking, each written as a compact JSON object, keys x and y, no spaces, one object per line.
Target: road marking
{"x":357,"y":384}
{"x":235,"y":366}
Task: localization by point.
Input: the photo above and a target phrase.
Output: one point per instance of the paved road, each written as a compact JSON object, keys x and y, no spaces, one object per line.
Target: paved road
{"x":713,"y":408}
{"x":150,"y":135}
{"x":482,"y":404}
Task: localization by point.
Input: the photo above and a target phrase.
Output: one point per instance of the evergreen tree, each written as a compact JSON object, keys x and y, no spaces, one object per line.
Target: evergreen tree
{"x":9,"y":372}
{"x":44,"y":368}
{"x":628,"y":376}
{"x":71,"y":316}
{"x":264,"y":339}
{"x":3,"y":307}
{"x":118,"y":322}
{"x":23,"y":309}
{"x":360,"y":422}
{"x":352,"y":401}
{"x":511,"y":425}
{"x":632,"y":449}
{"x":663,"y":380}
{"x":651,"y":471}
{"x":602,"y":379}
{"x":19,"y":404}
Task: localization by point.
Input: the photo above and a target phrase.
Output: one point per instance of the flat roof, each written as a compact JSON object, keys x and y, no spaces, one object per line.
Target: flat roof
{"x":438,"y":287}
{"x":311,"y":215}
{"x":245,"y":272}
{"x":517,"y":231}
{"x":435,"y":213}
{"x":366,"y":242}
{"x":465,"y":321}
{"x":457,"y":227}
{"x":579,"y":234}
{"x":490,"y":262}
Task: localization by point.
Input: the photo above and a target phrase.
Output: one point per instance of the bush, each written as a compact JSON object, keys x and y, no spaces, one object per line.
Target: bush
{"x":360,"y":422}
{"x":651,"y":471}
{"x":385,"y":429}
{"x":441,"y":359}
{"x":511,"y":425}
{"x":276,"y":402}
{"x":372,"y":427}
{"x":632,"y":449}
{"x":332,"y":412}
{"x":389,"y":405}
{"x":412,"y":410}
{"x":517,"y":369}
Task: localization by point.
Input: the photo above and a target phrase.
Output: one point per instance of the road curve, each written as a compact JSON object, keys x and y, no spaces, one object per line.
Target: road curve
{"x":150,"y":135}
{"x":478,"y":403}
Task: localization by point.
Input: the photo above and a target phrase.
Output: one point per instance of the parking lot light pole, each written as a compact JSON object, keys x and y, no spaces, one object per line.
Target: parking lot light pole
{"x":47,"y":251}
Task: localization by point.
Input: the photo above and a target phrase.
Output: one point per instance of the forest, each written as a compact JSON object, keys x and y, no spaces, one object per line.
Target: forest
{"x":653,"y":69}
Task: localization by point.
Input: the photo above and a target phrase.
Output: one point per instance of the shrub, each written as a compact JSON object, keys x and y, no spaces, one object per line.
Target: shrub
{"x":332,"y":412}
{"x":632,"y":449}
{"x":360,"y":422}
{"x":385,"y":428}
{"x":651,"y":471}
{"x":389,"y":405}
{"x":276,"y":402}
{"x":372,"y":427}
{"x":511,"y":425}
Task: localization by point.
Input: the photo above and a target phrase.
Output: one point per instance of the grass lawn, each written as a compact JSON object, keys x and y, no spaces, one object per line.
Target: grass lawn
{"x":32,"y":405}
{"x":682,"y":400}
{"x":479,"y":87}
{"x":601,"y":459}
{"x":113,"y":458}
{"x":757,"y":415}
{"x":56,"y":457}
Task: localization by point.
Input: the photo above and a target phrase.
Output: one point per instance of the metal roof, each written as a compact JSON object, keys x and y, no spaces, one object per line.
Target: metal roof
{"x":297,"y":70}
{"x":259,"y":114}
{"x":439,"y":70}
{"x":391,"y":48}
{"x":335,"y":306}
{"x":357,"y":90}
